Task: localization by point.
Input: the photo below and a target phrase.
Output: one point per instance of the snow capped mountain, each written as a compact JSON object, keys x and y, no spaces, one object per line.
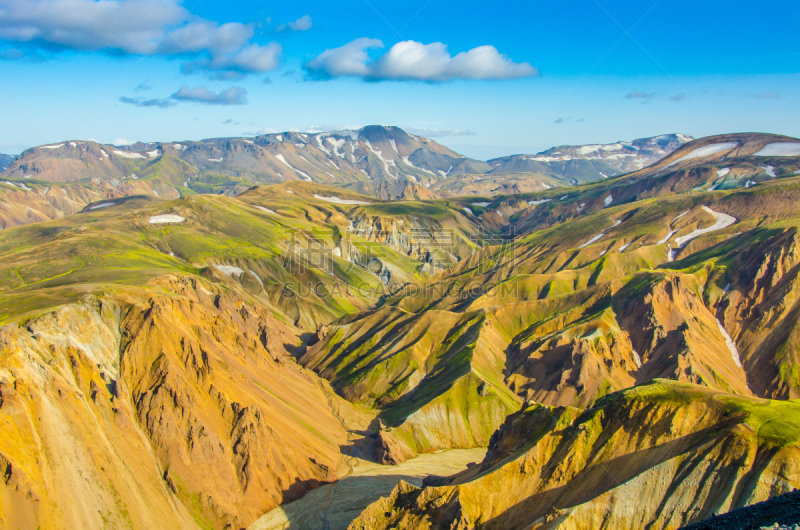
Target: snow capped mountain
{"x":384,"y":162}
{"x":589,"y":162}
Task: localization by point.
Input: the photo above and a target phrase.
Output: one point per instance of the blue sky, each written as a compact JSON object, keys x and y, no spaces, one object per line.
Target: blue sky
{"x":485,"y":79}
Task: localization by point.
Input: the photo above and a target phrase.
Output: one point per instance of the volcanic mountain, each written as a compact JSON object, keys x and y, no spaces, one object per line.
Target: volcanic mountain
{"x":199,"y":361}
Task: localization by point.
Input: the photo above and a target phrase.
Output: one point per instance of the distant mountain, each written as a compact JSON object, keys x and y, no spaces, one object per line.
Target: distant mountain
{"x":380,"y":160}
{"x":383,"y":162}
{"x":6,"y":161}
{"x":585,"y":163}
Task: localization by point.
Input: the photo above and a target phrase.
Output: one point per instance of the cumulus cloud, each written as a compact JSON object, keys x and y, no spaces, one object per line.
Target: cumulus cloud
{"x":201,"y":94}
{"x":134,"y":27}
{"x":767,"y":95}
{"x":348,"y":60}
{"x":143,"y":102}
{"x":142,"y":87}
{"x":415,"y":61}
{"x":678,"y":97}
{"x":303,"y":23}
{"x":438,"y":133}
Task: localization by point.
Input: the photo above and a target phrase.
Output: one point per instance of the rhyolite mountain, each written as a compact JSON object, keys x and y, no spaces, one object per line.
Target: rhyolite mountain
{"x":626,"y":349}
{"x":49,"y":181}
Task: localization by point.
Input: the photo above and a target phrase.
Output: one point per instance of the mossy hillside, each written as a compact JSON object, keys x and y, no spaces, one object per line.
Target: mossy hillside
{"x":776,"y":423}
{"x":113,"y":245}
{"x":470,"y":404}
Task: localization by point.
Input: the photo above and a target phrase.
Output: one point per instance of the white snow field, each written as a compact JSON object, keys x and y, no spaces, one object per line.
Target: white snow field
{"x":780,"y":149}
{"x":600,"y":235}
{"x":166,"y":218}
{"x":707,"y":150}
{"x":337,"y":200}
{"x":731,"y":345}
{"x":123,"y":154}
{"x":230,"y":270}
{"x":723,"y":221}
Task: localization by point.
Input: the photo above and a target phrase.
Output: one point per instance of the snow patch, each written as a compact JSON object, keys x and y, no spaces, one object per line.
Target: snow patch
{"x":770,"y":170}
{"x":257,"y":277}
{"x":166,"y":218}
{"x":265,"y":209}
{"x":608,"y":200}
{"x":229,"y":270}
{"x":722,"y":221}
{"x":538,"y":202}
{"x":337,"y":200}
{"x":600,"y":235}
{"x":468,"y":211}
{"x":380,"y":156}
{"x":52,"y":146}
{"x":215,"y":159}
{"x":103,"y":205}
{"x":780,"y":149}
{"x":123,"y":154}
{"x":152,"y":154}
{"x":730,"y":344}
{"x":707,"y":150}
{"x":679,"y":216}
{"x":724,"y":171}
{"x":322,"y":147}
{"x":481,"y":204}
{"x":669,"y":236}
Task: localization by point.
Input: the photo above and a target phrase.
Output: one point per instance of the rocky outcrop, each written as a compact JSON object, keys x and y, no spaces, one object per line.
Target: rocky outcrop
{"x":389,"y":449}
{"x":178,"y":406}
{"x":762,"y":307}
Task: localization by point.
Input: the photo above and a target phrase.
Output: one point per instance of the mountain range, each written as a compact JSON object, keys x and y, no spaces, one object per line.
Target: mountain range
{"x":383,"y":162}
{"x":624,"y":349}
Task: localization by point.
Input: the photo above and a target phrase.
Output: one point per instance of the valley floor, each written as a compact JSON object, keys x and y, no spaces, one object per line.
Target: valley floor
{"x":334,"y":506}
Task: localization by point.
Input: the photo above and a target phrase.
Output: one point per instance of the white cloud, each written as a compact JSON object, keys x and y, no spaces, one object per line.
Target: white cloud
{"x":414,"y":61}
{"x":348,"y":60}
{"x":303,"y":23}
{"x":438,"y":133}
{"x":252,"y":58}
{"x":137,"y":27}
{"x":200,"y":94}
{"x":122,"y":141}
